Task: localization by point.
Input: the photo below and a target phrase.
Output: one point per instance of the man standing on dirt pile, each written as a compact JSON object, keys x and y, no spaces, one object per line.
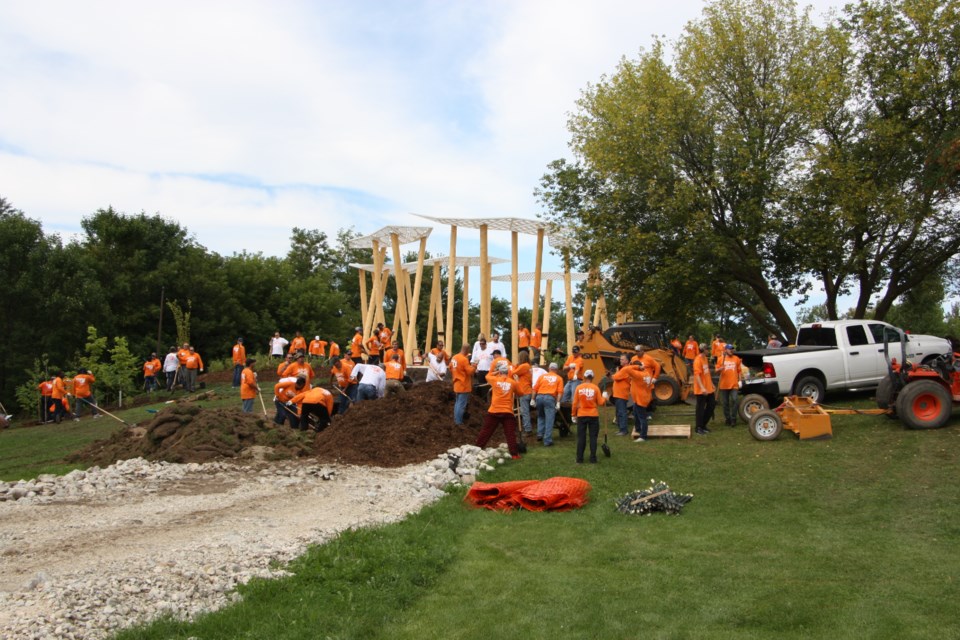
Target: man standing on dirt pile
{"x":340,"y":370}
{"x":356,"y":345}
{"x":239,"y":357}
{"x":394,"y":375}
{"x":731,"y":379}
{"x":546,"y":396}
{"x":502,"y":391}
{"x":171,"y":366}
{"x":586,"y":400}
{"x":372,"y":381}
{"x":83,"y":392}
{"x":703,"y":390}
{"x":151,"y":368}
{"x":384,"y":335}
{"x":194,"y":365}
{"x":373,"y":349}
{"x":462,"y":384}
{"x":248,"y":385}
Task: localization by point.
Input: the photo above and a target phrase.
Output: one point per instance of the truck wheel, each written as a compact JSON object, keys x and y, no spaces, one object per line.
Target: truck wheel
{"x":766,"y":425}
{"x":667,"y":390}
{"x":750,"y":404}
{"x":810,"y":387}
{"x":885,"y":399}
{"x":924,"y":404}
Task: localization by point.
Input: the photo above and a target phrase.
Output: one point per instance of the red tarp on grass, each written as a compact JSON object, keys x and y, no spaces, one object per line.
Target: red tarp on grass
{"x":554,"y":494}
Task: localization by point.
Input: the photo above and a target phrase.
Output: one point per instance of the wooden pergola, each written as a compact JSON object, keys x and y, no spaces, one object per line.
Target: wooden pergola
{"x":515,"y":226}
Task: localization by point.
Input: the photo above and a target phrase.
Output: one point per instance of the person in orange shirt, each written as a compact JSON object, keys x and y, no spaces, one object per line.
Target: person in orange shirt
{"x":58,"y":396}
{"x":641,"y":391}
{"x":46,"y":390}
{"x":248,"y":385}
{"x":373,"y":349}
{"x":194,"y":365}
{"x":503,"y":388}
{"x":299,"y":367}
{"x":316,"y":401}
{"x":83,"y":392}
{"x":586,"y":401}
{"x":574,"y":370}
{"x":536,"y":341}
{"x":298,"y":345}
{"x":498,"y":357}
{"x":691,"y":348}
{"x":716,"y":348}
{"x":440,"y":353}
{"x":285,"y":390}
{"x":239,"y":354}
{"x":523,"y":338}
{"x":642,"y":357}
{"x":334,"y":350}
{"x":394,"y":372}
{"x":356,"y":345}
{"x":546,"y":397}
{"x":385,"y":335}
{"x":621,"y":394}
{"x":182,"y":354}
{"x":730,"y":368}
{"x":340,"y":370}
{"x":151,"y":368}
{"x":462,"y":374}
{"x":318,"y":349}
{"x":395,"y":350}
{"x":703,"y":390}
{"x":524,"y":375}
{"x":286,"y":362}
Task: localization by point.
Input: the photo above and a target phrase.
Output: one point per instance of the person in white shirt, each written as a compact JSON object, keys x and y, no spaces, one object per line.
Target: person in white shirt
{"x":373,"y":381}
{"x":170,"y":365}
{"x":496,"y":344}
{"x":436,"y":367}
{"x":482,"y":357}
{"x":277,"y":345}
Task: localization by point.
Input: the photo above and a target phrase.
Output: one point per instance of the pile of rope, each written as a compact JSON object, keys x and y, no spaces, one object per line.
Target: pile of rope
{"x":657,"y":497}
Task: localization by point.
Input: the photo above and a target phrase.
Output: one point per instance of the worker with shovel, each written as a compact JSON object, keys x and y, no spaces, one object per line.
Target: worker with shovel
{"x":83,"y":392}
{"x":312,"y":402}
{"x":248,"y":385}
{"x":284,"y":391}
{"x":340,"y":370}
{"x":703,"y":389}
{"x":503,"y":388}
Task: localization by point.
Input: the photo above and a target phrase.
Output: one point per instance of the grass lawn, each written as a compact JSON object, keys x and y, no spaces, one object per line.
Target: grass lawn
{"x":856,"y":537}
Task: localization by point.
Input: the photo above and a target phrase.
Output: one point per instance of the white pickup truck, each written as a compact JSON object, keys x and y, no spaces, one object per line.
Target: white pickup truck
{"x":839,"y":354}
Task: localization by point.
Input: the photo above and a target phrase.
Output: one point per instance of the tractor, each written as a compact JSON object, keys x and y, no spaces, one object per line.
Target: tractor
{"x":922,"y":396}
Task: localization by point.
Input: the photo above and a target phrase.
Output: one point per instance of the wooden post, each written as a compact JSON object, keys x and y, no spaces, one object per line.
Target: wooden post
{"x":489,"y":297}
{"x":415,"y":302}
{"x":466,"y":304}
{"x":484,"y":300}
{"x":587,"y":302}
{"x":375,"y":293}
{"x":536,"y":280}
{"x":568,"y":292}
{"x":514,"y":300}
{"x":451,"y":289}
{"x":546,"y":318}
{"x":401,"y":300}
{"x":384,"y":279}
{"x":363,"y":296}
{"x":436,"y":305}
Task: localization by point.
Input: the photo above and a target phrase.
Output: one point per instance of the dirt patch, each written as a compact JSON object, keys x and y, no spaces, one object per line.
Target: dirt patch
{"x":399,"y":430}
{"x":391,"y":432}
{"x":265,"y":374}
{"x":188,"y":433}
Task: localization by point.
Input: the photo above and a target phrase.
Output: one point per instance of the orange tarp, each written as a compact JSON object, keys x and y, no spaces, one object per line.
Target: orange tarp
{"x":555,"y":494}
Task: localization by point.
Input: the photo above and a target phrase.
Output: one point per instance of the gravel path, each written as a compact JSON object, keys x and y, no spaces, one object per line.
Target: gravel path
{"x":85,"y":554}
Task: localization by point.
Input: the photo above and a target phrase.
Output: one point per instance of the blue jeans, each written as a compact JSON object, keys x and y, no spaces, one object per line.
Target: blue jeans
{"x":568,"y":390}
{"x":237,"y":371}
{"x":640,"y":420}
{"x":366,"y":392}
{"x":150,"y":383}
{"x":286,"y":414}
{"x":546,"y":412}
{"x":460,"y":408}
{"x":80,"y":403}
{"x":248,"y":405}
{"x":343,"y":401}
{"x":525,"y":413}
{"x":620,"y":404}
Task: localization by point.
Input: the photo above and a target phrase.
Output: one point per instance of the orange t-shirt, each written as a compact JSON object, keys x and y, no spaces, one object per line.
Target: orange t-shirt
{"x":46,"y":388}
{"x":575,"y":364}
{"x":297,"y":344}
{"x":81,"y":384}
{"x":729,"y":368}
{"x":536,"y":338}
{"x":440,"y":355}
{"x":702,"y":382}
{"x":388,"y":356}
{"x":549,"y":384}
{"x":523,"y":339}
{"x":373,"y":346}
{"x":59,"y":390}
{"x":394,"y":370}
{"x":316,"y":348}
{"x":193,"y":361}
{"x":386,"y":337}
{"x":239,"y":354}
{"x":343,"y":375}
{"x":294,"y":369}
{"x":182,"y":355}
{"x":286,"y":389}
{"x":334,"y":349}
{"x":716,"y":349}
{"x":586,"y":399}
{"x":641,"y":386}
{"x":151,"y":367}
{"x":317,"y":395}
{"x":649,"y":363}
{"x":248,"y":384}
{"x":621,"y":384}
{"x":691,"y":349}
{"x":356,"y":346}
{"x":462,"y":374}
{"x":524,"y":375}
{"x":502,"y":389}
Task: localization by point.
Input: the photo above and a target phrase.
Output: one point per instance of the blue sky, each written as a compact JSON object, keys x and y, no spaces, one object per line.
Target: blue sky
{"x":241,"y":120}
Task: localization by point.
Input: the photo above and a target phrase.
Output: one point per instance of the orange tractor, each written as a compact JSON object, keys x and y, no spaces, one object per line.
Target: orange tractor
{"x":922,"y":396}
{"x":601,"y":351}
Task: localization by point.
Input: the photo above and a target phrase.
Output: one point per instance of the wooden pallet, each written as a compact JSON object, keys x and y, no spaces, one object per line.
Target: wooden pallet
{"x":668,"y":431}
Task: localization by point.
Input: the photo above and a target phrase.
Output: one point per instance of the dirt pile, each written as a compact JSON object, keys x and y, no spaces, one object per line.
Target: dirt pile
{"x":402,"y":429}
{"x":188,"y":433}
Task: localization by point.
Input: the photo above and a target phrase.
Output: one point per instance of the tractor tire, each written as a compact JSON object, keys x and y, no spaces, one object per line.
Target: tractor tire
{"x":750,"y":404}
{"x":885,"y":399}
{"x":810,"y":387}
{"x":766,"y":425}
{"x":924,"y":404}
{"x":667,"y":390}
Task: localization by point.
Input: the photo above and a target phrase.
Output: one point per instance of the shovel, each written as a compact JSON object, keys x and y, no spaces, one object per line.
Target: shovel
{"x":605,"y":447}
{"x":521,"y":443}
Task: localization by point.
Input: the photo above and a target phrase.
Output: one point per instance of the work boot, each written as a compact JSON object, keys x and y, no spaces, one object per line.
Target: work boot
{"x":705,"y":429}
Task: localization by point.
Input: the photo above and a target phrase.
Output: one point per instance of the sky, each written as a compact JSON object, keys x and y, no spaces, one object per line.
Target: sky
{"x":241,"y":120}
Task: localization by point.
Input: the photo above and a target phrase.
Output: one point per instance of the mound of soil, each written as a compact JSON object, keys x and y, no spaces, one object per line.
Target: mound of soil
{"x":189,"y":433}
{"x":401,"y":429}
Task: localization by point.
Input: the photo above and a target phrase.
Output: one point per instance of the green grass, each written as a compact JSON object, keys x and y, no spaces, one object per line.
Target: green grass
{"x":855,"y":537}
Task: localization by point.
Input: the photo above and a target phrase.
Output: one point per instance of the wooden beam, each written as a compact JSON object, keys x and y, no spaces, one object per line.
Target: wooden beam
{"x":536,"y":280}
{"x":544,"y":349}
{"x":451,"y":289}
{"x":466,"y":305}
{"x":514,"y":299}
{"x":398,"y":272}
{"x":568,"y":294}
{"x":435,"y":311}
{"x":415,"y":303}
{"x":375,"y":295}
{"x":484,"y":298}
{"x":363,"y":296}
